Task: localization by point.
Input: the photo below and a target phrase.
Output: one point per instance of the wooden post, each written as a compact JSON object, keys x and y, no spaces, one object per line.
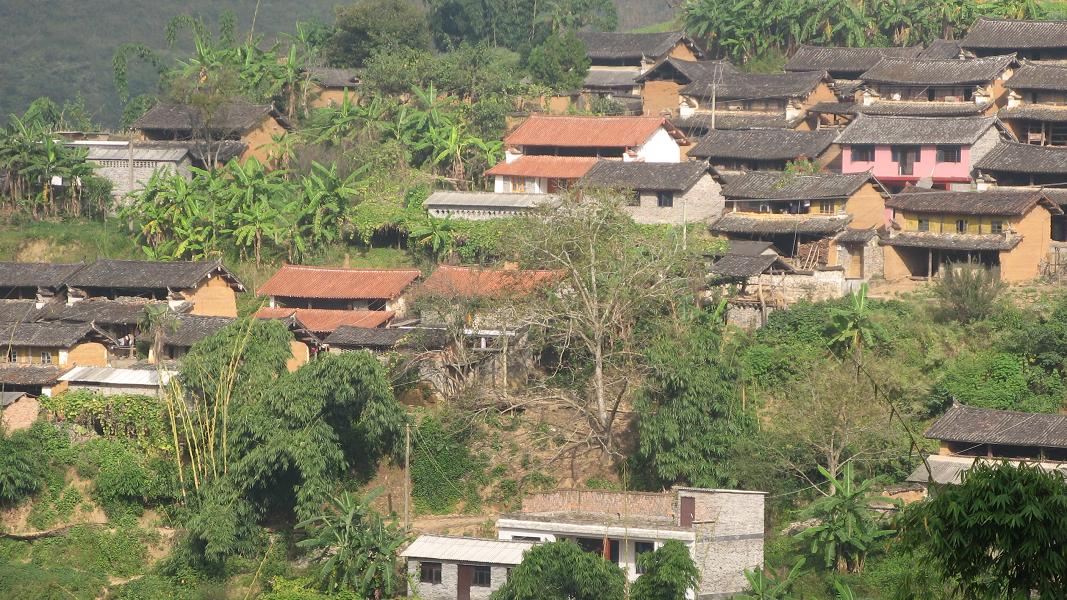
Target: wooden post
{"x":407,"y":475}
{"x":929,"y":264}
{"x":607,"y":548}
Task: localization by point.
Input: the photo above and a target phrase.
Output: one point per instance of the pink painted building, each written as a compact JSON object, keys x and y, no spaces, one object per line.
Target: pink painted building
{"x":904,"y":150}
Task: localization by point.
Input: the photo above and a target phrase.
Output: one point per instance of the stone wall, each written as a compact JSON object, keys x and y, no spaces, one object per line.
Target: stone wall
{"x":729,"y":538}
{"x":446,"y":590}
{"x":701,"y":203}
{"x":125,"y":180}
{"x":595,"y":501}
{"x":818,"y":285}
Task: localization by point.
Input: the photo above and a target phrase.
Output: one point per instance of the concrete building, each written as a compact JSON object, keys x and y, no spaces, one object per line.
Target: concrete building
{"x":129,"y":166}
{"x":723,"y":529}
{"x":457,"y":568}
{"x":660,"y":194}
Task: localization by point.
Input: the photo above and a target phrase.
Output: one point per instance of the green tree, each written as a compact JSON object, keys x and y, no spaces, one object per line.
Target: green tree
{"x":968,"y":293}
{"x":371,"y":25}
{"x":689,"y":418}
{"x":559,"y":570}
{"x":354,"y":548}
{"x":559,"y":62}
{"x":22,"y":470}
{"x":669,"y":573}
{"x":763,"y":586}
{"x":999,"y":380}
{"x":1002,"y":532}
{"x":851,"y":326}
{"x":847,"y":528}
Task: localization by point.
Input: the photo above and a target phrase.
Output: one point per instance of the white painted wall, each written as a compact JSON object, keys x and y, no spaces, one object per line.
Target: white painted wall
{"x":660,"y":148}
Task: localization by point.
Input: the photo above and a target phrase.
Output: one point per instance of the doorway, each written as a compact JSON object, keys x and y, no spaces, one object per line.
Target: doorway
{"x":464,"y":579}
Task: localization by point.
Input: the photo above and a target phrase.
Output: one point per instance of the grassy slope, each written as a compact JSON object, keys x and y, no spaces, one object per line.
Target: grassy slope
{"x":61,"y":49}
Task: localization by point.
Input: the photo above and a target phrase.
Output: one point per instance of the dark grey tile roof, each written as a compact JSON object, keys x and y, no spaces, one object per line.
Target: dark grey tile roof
{"x":773,"y":185}
{"x":833,"y":108}
{"x":942,"y":49}
{"x":945,"y":71}
{"x":742,"y":266}
{"x":45,"y":335}
{"x":839,"y":59}
{"x":641,"y":176}
{"x":334,"y":78}
{"x":236,"y":117}
{"x":691,"y":70}
{"x":386,"y":337}
{"x":953,"y":241}
{"x":611,"y":45}
{"x":992,"y":202}
{"x":920,"y":109}
{"x":748,"y":224}
{"x":600,"y":78}
{"x":19,"y":311}
{"x":749,"y":247}
{"x":763,"y":144}
{"x":49,"y":276}
{"x":1039,"y":76}
{"x":757,"y":86}
{"x":101,"y":311}
{"x":1035,"y":112}
{"x":995,"y":34}
{"x":859,"y":236}
{"x":876,"y":129}
{"x":12,"y":375}
{"x":190,"y":329}
{"x":9,"y":398}
{"x":1014,"y":157}
{"x":730,"y":120}
{"x":987,"y":426}
{"x":144,"y":274}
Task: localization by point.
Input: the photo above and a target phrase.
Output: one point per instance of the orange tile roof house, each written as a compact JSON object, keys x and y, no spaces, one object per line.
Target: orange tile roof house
{"x":474,"y":282}
{"x":325,"y":321}
{"x":297,"y":286}
{"x":548,"y":153}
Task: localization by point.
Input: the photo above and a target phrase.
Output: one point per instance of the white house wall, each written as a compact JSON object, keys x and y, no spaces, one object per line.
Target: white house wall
{"x":660,"y":148}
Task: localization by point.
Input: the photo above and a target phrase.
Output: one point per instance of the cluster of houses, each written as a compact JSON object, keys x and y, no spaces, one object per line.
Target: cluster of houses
{"x":851,"y":164}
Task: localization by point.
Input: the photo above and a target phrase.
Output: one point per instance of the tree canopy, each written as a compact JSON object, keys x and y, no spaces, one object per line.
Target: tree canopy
{"x":562,"y":570}
{"x":369,"y":26}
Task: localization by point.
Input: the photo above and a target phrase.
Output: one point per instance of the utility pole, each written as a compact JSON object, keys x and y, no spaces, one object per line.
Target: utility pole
{"x":407,"y":475}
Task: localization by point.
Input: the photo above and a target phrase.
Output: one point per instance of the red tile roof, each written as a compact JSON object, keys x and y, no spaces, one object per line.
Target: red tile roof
{"x":585,"y":132}
{"x":556,"y":167}
{"x":295,"y":281}
{"x":326,"y":321}
{"x":471,"y":282}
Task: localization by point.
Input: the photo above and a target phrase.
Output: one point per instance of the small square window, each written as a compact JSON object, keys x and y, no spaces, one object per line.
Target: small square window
{"x":923,"y":225}
{"x":12,"y":356}
{"x":483,"y":577}
{"x":826,"y":207}
{"x":642,"y":548}
{"x":996,"y":226}
{"x":46,"y":358}
{"x":430,"y":572}
{"x":665,"y":199}
{"x":518,"y":185}
{"x":862,"y":154}
{"x":961,"y":226}
{"x":948,"y":154}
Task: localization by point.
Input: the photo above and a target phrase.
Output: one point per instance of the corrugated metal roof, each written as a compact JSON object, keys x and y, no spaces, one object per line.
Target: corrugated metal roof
{"x":950,"y":469}
{"x":170,"y":155}
{"x":298,"y":281}
{"x":467,"y":550}
{"x":555,"y":167}
{"x":585,"y":132}
{"x":445,"y":199}
{"x":114,"y":376}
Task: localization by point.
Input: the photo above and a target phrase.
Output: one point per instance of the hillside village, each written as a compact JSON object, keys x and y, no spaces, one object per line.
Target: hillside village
{"x":614,"y":316}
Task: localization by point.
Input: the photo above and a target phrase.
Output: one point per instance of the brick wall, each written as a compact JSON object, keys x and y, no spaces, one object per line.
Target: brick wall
{"x":611,"y":503}
{"x":125,"y":180}
{"x":21,"y":414}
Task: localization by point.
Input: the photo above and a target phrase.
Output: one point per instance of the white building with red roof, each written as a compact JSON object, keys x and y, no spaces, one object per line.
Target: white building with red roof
{"x":546,"y":154}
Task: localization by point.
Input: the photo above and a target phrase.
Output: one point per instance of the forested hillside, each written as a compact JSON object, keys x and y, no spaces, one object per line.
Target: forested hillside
{"x":63,"y":50}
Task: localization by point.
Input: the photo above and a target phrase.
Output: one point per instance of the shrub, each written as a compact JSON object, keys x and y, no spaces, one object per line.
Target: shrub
{"x":22,"y":470}
{"x":443,"y":470}
{"x":997,"y":380}
{"x":124,"y":479}
{"x":968,"y":293}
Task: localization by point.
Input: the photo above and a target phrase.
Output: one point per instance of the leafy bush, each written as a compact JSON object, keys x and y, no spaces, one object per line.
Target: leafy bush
{"x":443,"y":470}
{"x":997,"y":380}
{"x":122,"y":415}
{"x":124,"y":478}
{"x":968,"y":293}
{"x":22,"y":470}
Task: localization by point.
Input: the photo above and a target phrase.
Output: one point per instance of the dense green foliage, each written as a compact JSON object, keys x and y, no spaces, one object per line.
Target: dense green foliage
{"x":669,"y":573}
{"x":563,"y":570}
{"x":968,"y":293}
{"x":689,"y":411}
{"x":745,"y":30}
{"x":443,"y":469}
{"x":559,"y":62}
{"x":1001,"y":532}
{"x":22,"y":472}
{"x":354,"y":548}
{"x":371,"y":26}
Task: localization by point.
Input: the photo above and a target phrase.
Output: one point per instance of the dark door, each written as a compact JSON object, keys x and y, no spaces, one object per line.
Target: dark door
{"x":689,"y":510}
{"x":463,"y":582}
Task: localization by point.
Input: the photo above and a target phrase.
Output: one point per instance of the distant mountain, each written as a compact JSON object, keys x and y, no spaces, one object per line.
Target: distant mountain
{"x":62,"y":49}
